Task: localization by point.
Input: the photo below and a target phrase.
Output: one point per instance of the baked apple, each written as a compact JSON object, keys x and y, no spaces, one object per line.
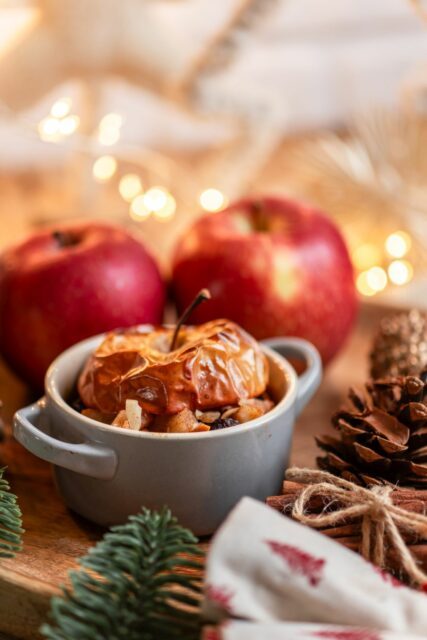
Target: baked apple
{"x":213,"y":365}
{"x":176,"y":379}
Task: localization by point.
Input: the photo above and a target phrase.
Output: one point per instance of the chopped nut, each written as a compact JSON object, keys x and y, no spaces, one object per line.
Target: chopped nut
{"x":202,"y":427}
{"x":134,"y":414}
{"x":248,"y":412}
{"x":121,"y":420}
{"x":183,"y":422}
{"x":252,"y":408}
{"x":229,"y":412}
{"x":207,"y":416}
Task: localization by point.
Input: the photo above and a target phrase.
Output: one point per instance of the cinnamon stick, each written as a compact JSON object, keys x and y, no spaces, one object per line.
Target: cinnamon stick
{"x":414,"y":500}
{"x":349,"y":533}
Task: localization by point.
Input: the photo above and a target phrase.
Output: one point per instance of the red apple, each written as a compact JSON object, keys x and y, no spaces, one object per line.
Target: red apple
{"x":64,"y":284}
{"x":274,"y":266}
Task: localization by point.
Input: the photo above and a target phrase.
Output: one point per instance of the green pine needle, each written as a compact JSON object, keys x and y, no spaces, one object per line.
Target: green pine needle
{"x":137,"y":583}
{"x":10,"y":521}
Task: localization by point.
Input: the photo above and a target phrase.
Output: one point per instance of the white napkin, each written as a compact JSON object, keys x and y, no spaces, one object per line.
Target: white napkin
{"x":264,"y":567}
{"x":284,"y":631}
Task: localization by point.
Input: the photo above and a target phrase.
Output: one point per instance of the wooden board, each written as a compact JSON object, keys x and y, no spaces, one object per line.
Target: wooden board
{"x":55,"y":538}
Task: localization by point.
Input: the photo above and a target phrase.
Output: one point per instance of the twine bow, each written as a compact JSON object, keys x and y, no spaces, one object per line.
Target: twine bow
{"x":382,"y":521}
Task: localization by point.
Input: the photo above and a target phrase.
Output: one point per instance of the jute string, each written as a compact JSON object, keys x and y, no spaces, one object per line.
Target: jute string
{"x":382,"y":521}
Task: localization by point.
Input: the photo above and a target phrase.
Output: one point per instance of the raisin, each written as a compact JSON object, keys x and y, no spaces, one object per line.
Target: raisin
{"x":77,"y":404}
{"x":224,"y":423}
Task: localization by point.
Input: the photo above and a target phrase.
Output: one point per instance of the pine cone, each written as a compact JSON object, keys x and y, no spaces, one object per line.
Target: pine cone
{"x":383,"y":434}
{"x":400,"y":346}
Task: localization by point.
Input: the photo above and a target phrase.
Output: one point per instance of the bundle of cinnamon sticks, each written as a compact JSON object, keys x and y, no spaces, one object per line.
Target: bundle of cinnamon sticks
{"x":349,"y":533}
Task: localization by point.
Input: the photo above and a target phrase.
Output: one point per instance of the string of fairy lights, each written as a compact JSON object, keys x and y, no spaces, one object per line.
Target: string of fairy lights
{"x":377,"y":265}
{"x":155,"y":200}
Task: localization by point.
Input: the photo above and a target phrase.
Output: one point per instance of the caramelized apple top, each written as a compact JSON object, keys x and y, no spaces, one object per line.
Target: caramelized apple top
{"x":213,"y":365}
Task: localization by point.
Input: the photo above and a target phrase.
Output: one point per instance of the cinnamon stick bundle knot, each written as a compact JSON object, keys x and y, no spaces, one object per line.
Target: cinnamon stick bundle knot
{"x":383,"y":522}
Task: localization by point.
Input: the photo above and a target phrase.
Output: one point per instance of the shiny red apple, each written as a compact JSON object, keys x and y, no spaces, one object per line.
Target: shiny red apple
{"x":64,"y":284}
{"x":274,"y":266}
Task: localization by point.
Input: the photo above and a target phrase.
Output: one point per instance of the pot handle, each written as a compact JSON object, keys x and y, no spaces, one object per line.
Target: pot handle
{"x":89,"y":458}
{"x":300,"y":349}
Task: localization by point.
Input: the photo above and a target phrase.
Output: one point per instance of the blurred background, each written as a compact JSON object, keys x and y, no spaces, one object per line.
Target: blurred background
{"x":149,"y":112}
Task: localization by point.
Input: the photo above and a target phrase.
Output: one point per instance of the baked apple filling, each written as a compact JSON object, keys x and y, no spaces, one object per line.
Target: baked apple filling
{"x":202,"y":378}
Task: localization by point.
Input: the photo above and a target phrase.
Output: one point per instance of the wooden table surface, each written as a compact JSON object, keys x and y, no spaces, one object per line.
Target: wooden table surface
{"x":55,"y":538}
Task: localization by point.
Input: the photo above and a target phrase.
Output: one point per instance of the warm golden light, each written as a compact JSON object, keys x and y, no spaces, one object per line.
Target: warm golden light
{"x":104,"y":168}
{"x":155,"y":199}
{"x":61,"y":108}
{"x":49,"y":129}
{"x":130,"y":186}
{"x":376,"y":278}
{"x":212,"y":200}
{"x":366,"y":256}
{"x":111,"y":120}
{"x":68,"y":125}
{"x":400,"y":272}
{"x":398,"y":244}
{"x":363,"y":285}
{"x":168,"y":210}
{"x":372,"y":281}
{"x":138,"y":211}
{"x":108,"y":137}
{"x":109,"y":129}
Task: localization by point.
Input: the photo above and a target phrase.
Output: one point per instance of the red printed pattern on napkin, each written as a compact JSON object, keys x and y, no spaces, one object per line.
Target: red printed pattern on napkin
{"x":211,"y":633}
{"x":299,"y":561}
{"x":387,"y":577}
{"x":220,"y":596}
{"x":354,"y":634}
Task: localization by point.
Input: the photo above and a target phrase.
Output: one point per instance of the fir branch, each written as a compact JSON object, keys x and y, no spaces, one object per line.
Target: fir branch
{"x":137,"y":583}
{"x":10,"y":521}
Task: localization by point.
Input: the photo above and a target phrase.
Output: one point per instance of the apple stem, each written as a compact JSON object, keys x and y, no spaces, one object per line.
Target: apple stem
{"x":260,"y":219}
{"x":203,"y":295}
{"x":64,"y":239}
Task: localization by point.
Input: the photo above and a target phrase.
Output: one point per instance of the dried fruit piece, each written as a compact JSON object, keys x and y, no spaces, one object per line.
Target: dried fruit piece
{"x":121,"y":420}
{"x":183,"y":422}
{"x":207,"y":416}
{"x":247,"y":412}
{"x":250,"y":409}
{"x":224,"y":423}
{"x":230,"y":411}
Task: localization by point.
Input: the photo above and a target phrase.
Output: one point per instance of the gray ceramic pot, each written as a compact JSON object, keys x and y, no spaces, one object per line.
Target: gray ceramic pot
{"x":106,"y":473}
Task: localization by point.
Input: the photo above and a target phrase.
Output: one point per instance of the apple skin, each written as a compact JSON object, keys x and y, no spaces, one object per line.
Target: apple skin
{"x":274,"y":266}
{"x":52,"y":296}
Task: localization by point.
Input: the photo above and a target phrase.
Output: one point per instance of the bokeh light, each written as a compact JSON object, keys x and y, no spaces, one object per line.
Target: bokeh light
{"x":104,"y":168}
{"x":109,"y":129}
{"x":155,"y":198}
{"x":138,"y":211}
{"x":61,"y":108}
{"x":130,"y":186}
{"x":49,"y":129}
{"x":212,"y":200}
{"x":376,"y":278}
{"x":372,"y":281}
{"x":400,"y":272}
{"x":168,"y":210}
{"x":398,"y":244}
{"x":68,"y":125}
